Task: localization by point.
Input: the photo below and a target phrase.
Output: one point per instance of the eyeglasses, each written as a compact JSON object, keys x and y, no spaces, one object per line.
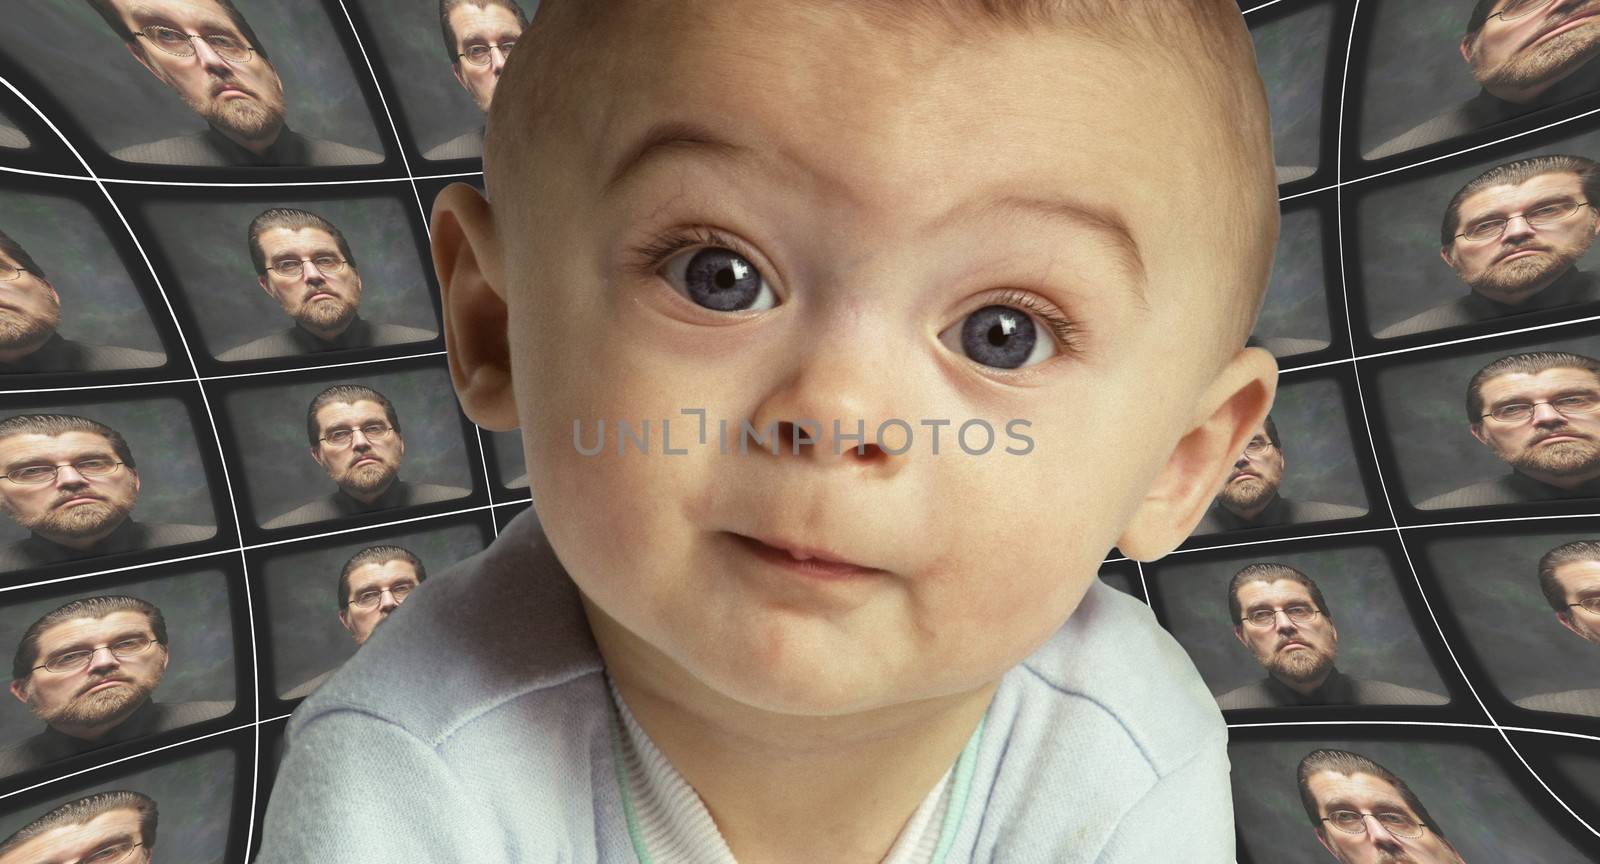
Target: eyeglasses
{"x":1257,"y":445}
{"x":181,"y":44}
{"x":1298,"y":614}
{"x":369,"y":599}
{"x":1539,"y":217}
{"x":1589,"y":604}
{"x":74,"y":661}
{"x":291,"y":268}
{"x":479,"y":55}
{"x":11,"y":274}
{"x":372,"y":431}
{"x":113,"y":854}
{"x":1355,"y":822}
{"x":1520,"y":9}
{"x":1570,"y":405}
{"x":37,"y":475}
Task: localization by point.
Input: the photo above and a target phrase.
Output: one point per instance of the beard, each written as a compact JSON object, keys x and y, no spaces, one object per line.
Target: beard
{"x":326,"y":314}
{"x":249,"y":118}
{"x":369,"y":477}
{"x":19,"y":331}
{"x":1300,"y":666}
{"x":82,"y":520}
{"x":1515,"y":277}
{"x":1561,"y":458}
{"x":92,"y":709}
{"x":1247,"y":493}
{"x":1535,"y":65}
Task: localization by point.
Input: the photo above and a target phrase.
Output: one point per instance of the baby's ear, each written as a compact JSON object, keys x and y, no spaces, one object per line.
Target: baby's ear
{"x":1228,"y":413}
{"x":467,"y":260}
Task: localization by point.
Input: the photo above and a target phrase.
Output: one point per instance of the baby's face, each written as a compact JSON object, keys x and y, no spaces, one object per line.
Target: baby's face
{"x":883,"y":230}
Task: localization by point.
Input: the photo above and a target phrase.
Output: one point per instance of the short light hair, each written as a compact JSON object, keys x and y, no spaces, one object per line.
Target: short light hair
{"x":27,"y":655}
{"x":60,"y":424}
{"x":1268,"y":572}
{"x":1526,"y":363}
{"x":114,"y":18}
{"x":15,"y":252}
{"x":1205,"y":42}
{"x":1567,"y":553}
{"x":87,"y":809}
{"x":1515,"y":174}
{"x":348,"y":394}
{"x":377,"y":555}
{"x":449,"y":32}
{"x":1350,"y":764}
{"x":293,"y":220}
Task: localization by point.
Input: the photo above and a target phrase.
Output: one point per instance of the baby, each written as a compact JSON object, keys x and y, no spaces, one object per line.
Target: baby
{"x":845,"y":338}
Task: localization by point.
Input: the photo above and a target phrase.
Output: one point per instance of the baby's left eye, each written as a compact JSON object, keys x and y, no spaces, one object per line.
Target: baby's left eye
{"x":1001,"y":336}
{"x":720,"y":279}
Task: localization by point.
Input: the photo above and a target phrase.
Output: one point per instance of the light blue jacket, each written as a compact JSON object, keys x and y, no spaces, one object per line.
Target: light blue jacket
{"x":472,"y":728}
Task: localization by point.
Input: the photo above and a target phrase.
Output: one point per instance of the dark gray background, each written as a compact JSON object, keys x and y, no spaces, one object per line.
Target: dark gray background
{"x":1292,"y":55}
{"x":307,"y":638}
{"x":1483,"y":815}
{"x":1296,"y":305}
{"x":437,"y":108}
{"x":206,"y":244}
{"x":1123,"y":580}
{"x":270,"y":426}
{"x":84,"y":64}
{"x":1414,"y":66}
{"x":99,"y":301}
{"x":194,"y":805}
{"x":508,"y":452}
{"x":172,"y":481}
{"x":1492,"y":584}
{"x":1319,"y":462}
{"x":1426,"y":406}
{"x":199,"y":640}
{"x":1400,"y":269}
{"x":1377,"y":637}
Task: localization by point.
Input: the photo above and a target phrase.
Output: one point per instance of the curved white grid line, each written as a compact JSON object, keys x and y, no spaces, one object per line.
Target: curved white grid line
{"x":405,"y":163}
{"x":1372,"y":441}
{"x":232,"y":183}
{"x":255,"y":663}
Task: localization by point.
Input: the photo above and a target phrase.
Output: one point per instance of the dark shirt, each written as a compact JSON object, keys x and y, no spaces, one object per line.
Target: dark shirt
{"x":297,"y":340}
{"x":35,"y":551}
{"x":1573,"y":287}
{"x":214,"y":149}
{"x":399,"y":494}
{"x":1512,"y":488}
{"x":148,"y":719}
{"x":1338,"y":689}
{"x":1565,"y":702}
{"x":1281,"y":511}
{"x":467,"y":145}
{"x":59,"y":354}
{"x":1486,"y":110}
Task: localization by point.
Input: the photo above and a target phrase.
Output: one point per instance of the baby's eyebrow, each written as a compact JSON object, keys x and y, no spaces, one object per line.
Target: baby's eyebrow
{"x":679,"y":135}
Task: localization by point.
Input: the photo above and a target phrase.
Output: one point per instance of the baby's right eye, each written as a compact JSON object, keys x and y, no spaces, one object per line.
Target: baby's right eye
{"x":720,"y":279}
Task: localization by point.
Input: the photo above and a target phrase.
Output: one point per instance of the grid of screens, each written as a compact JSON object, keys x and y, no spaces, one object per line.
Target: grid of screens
{"x":230,"y":447}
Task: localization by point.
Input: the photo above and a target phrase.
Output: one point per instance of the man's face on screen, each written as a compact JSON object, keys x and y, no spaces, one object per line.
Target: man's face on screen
{"x":1376,"y":843}
{"x":869,"y":242}
{"x":375,"y":591}
{"x":241,"y":96}
{"x":1524,"y":258}
{"x":81,"y":842}
{"x":1549,"y":442}
{"x":1543,"y":43}
{"x":321,"y":298}
{"x":1290,"y":652}
{"x":1256,"y":474}
{"x":479,"y":29}
{"x":72,"y":508}
{"x":363,"y":466}
{"x":30,"y":309}
{"x":104,"y":689}
{"x":1580,"y":581}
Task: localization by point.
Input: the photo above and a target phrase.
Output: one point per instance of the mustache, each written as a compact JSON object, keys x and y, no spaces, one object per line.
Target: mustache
{"x":1563,"y":431}
{"x":1578,"y":12}
{"x":1525,"y":247}
{"x":62,"y":499}
{"x":103,"y":679}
